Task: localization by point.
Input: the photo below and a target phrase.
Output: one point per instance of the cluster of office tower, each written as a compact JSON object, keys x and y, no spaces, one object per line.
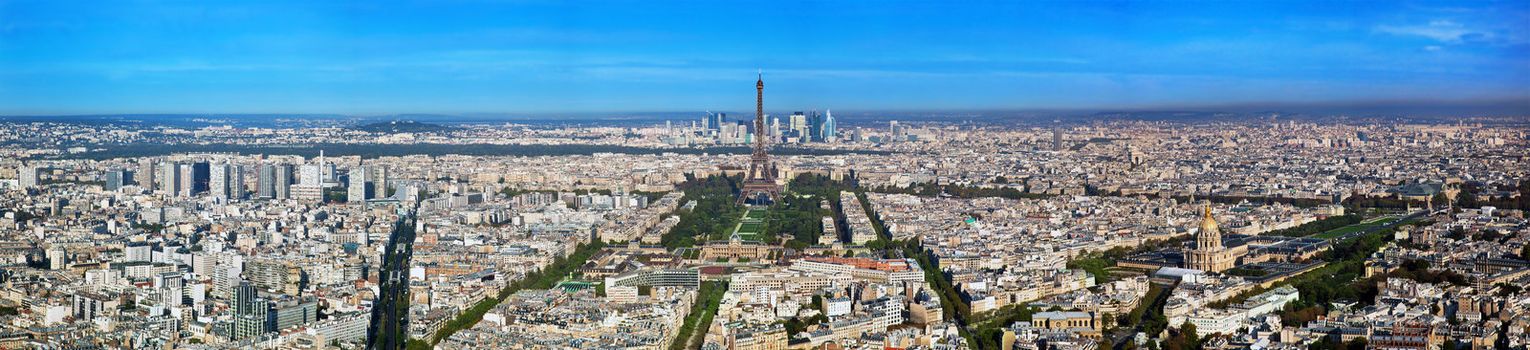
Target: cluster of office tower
{"x":225,"y":179}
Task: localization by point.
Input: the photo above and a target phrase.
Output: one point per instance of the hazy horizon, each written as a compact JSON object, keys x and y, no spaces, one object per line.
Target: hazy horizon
{"x":628,"y":57}
{"x":1458,"y":108}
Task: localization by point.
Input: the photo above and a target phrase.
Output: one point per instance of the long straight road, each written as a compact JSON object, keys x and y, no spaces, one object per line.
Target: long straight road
{"x":390,"y":312}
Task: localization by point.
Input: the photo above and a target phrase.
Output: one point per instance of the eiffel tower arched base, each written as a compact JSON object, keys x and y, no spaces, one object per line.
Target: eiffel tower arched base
{"x":759,"y":193}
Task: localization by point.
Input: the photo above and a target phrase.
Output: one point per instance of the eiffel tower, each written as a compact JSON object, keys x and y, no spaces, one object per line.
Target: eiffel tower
{"x":760,"y":183}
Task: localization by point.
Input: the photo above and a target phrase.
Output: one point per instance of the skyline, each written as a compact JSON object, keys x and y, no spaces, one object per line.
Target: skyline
{"x":534,"y":57}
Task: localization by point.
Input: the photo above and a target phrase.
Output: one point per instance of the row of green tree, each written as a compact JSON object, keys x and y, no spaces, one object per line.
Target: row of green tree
{"x":987,"y":329}
{"x":1296,"y":202}
{"x":512,"y":192}
{"x":958,"y":191}
{"x":1185,"y":338}
{"x":1317,"y":294}
{"x":1099,"y":263}
{"x":542,"y":279}
{"x":1471,"y":189}
{"x":715,"y":214}
{"x":799,"y":215}
{"x":1339,"y":280}
{"x":883,"y":236}
{"x":826,"y":188}
{"x":797,"y":325}
{"x":1096,"y":265}
{"x":954,"y":306}
{"x":1319,"y":226}
{"x":703,"y":310}
{"x":1148,"y":317}
{"x":1226,"y":199}
{"x":1389,"y":202}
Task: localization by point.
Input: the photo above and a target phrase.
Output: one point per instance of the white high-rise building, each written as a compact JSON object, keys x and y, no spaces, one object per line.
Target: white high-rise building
{"x":217,"y":182}
{"x":57,"y":258}
{"x":799,"y":124}
{"x":310,"y":175}
{"x":775,"y":130}
{"x":30,"y":176}
{"x":310,"y":183}
{"x":226,"y":276}
{"x":265,"y":181}
{"x":226,"y":181}
{"x":327,"y":176}
{"x":169,"y":178}
{"x":146,"y":174}
{"x":282,"y":184}
{"x":379,"y":178}
{"x":202,"y":263}
{"x":188,"y":184}
{"x":138,"y":252}
{"x":235,"y":181}
{"x":357,"y":191}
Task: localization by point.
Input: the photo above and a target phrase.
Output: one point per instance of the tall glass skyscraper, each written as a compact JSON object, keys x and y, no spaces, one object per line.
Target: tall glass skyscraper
{"x":828,"y":126}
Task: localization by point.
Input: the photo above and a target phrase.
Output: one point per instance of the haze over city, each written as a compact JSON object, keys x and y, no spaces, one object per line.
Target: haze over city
{"x":533,"y":56}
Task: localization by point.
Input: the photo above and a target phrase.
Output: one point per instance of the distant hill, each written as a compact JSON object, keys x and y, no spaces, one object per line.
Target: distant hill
{"x":400,"y":126}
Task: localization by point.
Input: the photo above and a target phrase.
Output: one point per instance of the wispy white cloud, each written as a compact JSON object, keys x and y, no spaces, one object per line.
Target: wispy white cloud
{"x":1446,"y":31}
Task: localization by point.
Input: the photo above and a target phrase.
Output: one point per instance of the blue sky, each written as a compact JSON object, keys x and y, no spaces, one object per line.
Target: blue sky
{"x":68,"y":57}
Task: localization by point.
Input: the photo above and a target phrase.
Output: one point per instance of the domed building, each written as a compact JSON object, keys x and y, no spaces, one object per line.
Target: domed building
{"x":1209,"y":255}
